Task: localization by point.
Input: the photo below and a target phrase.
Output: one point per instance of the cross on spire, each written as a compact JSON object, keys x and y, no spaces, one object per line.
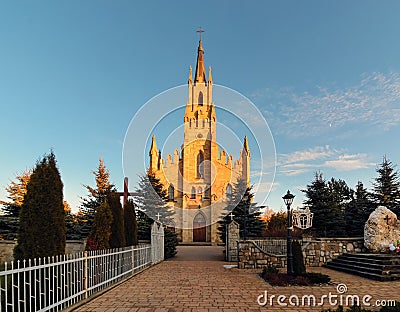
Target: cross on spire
{"x":231,"y":215}
{"x":158,"y":216}
{"x":200,"y":31}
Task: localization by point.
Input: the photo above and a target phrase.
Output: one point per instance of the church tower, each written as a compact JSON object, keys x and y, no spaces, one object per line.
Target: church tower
{"x":200,"y":177}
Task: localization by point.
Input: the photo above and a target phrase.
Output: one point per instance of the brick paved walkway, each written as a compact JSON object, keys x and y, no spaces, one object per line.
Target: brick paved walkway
{"x":185,"y":284}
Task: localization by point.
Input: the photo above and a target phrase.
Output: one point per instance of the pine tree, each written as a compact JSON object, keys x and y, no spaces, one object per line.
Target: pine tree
{"x":151,"y":204}
{"x":130,"y":222}
{"x":96,"y":197}
{"x":117,"y":238}
{"x":358,"y":210}
{"x":246,"y":213}
{"x":387,"y":185}
{"x":42,"y":225}
{"x":327,"y":201}
{"x":16,"y":192}
{"x":170,"y":243}
{"x":100,"y":232}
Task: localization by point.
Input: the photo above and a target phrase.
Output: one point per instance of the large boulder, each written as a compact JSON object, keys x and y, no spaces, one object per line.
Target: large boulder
{"x":381,"y":229}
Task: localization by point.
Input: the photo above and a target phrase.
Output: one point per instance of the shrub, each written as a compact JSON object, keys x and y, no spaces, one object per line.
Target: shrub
{"x":270,"y":269}
{"x":396,"y":308}
{"x":317,"y":278}
{"x":277,"y":279}
{"x":298,"y":261}
{"x":302,"y":280}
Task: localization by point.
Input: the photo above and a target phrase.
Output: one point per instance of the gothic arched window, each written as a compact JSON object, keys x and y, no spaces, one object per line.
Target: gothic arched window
{"x":229,"y":191}
{"x":193,"y":193}
{"x":207,"y":193}
{"x":201,"y":98}
{"x":200,"y":165}
{"x":171,"y":191}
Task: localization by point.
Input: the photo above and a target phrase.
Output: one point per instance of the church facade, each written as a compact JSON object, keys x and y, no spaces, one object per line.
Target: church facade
{"x":200,"y":176}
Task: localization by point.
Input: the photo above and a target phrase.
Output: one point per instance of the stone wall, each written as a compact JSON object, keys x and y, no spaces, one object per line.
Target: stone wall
{"x":319,"y":251}
{"x":251,"y":256}
{"x":316,"y":252}
{"x":7,"y":248}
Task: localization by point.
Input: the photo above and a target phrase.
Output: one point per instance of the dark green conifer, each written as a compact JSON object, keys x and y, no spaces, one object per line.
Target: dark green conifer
{"x":130,"y":222}
{"x":100,"y":232}
{"x":117,"y":238}
{"x":42,"y":225}
{"x":246,"y":213}
{"x":150,"y":204}
{"x":387,"y":186}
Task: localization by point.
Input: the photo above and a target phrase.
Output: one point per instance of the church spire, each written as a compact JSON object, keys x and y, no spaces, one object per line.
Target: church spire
{"x":153,"y":148}
{"x":200,"y":75}
{"x":246,"y":144}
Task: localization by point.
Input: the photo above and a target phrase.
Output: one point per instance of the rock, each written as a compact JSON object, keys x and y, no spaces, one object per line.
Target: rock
{"x":381,"y":229}
{"x":349,"y":247}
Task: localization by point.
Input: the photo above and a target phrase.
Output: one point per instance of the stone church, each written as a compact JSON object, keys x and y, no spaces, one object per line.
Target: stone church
{"x":199,"y":177}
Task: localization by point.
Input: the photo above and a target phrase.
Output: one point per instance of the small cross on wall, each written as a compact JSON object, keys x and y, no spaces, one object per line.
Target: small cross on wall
{"x":387,"y":219}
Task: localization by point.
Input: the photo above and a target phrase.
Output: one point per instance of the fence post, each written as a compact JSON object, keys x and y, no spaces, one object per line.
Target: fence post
{"x":133,"y":259}
{"x":85,"y":274}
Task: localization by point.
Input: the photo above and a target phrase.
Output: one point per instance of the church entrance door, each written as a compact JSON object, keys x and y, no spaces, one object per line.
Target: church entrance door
{"x":199,"y":228}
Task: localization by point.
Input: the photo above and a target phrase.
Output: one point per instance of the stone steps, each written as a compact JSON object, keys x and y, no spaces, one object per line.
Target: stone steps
{"x":372,"y":266}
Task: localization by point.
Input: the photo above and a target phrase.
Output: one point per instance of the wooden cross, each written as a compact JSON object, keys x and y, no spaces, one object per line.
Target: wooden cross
{"x":126,"y":193}
{"x":387,"y":219}
{"x":231,"y":215}
{"x":158,"y":216}
{"x":200,"y":31}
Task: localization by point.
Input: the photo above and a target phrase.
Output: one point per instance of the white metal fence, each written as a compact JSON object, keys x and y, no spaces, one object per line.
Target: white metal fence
{"x":52,"y":284}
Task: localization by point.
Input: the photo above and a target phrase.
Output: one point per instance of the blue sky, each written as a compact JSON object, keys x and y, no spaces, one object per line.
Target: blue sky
{"x":324,"y":74}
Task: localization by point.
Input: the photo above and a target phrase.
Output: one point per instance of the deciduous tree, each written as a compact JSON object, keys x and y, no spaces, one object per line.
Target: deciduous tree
{"x":16,"y":192}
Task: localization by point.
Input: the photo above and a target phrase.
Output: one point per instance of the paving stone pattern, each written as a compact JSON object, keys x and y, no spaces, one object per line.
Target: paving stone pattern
{"x":197,"y":281}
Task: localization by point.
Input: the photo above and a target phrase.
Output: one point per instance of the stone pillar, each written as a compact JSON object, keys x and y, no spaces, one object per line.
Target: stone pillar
{"x":232,"y":237}
{"x":157,"y":242}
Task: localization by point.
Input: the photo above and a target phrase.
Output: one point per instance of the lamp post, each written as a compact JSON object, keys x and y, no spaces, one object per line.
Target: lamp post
{"x":288,"y":199}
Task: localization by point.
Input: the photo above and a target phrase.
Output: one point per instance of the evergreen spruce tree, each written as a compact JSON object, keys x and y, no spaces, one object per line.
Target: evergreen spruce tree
{"x":16,"y":192}
{"x":130,"y":222}
{"x":96,"y":197}
{"x":100,"y":232}
{"x":358,"y":210}
{"x":42,"y":225}
{"x":387,"y":186}
{"x":327,"y":202}
{"x":152,"y":202}
{"x":117,"y":238}
{"x":246,"y":213}
{"x":170,"y":243}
